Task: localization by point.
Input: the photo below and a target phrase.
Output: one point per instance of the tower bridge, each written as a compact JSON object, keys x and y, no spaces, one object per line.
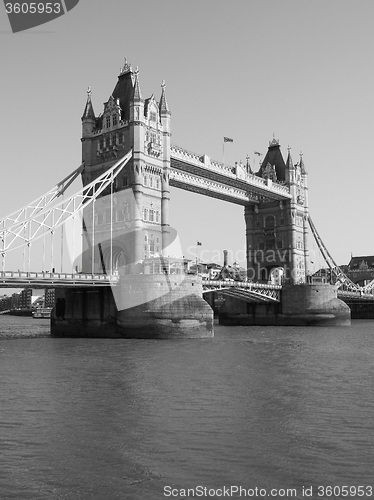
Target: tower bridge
{"x":122,"y":213}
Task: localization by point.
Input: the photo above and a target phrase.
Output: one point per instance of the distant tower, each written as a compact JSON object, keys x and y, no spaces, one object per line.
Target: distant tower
{"x":277,"y":231}
{"x":128,"y":122}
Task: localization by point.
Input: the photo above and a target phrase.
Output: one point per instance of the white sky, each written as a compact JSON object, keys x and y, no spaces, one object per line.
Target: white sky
{"x":246,"y":69}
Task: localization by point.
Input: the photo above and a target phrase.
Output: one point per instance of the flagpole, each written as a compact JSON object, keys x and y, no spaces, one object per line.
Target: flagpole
{"x":223,"y":152}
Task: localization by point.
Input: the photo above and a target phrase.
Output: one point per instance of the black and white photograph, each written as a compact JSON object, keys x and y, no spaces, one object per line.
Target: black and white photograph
{"x":186,"y":249}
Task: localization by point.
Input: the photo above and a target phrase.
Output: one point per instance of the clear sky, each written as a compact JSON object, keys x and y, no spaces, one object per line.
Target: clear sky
{"x":247,"y":69}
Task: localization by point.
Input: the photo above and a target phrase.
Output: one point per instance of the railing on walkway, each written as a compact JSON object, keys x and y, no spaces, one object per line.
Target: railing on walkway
{"x":245,"y":290}
{"x":16,"y":279}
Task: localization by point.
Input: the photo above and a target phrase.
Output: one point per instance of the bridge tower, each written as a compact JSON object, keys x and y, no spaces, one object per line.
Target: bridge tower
{"x":277,"y":232}
{"x":135,"y":224}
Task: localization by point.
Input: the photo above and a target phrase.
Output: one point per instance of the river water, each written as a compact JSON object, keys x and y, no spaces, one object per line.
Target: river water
{"x":271,"y":408}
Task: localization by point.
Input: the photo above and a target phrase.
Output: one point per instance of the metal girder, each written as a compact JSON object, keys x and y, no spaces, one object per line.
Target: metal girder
{"x":250,"y":295}
{"x":45,"y":215}
{"x":247,"y":291}
{"x":342,"y":278}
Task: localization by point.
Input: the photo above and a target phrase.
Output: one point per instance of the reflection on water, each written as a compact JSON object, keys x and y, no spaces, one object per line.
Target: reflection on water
{"x":269,"y":407}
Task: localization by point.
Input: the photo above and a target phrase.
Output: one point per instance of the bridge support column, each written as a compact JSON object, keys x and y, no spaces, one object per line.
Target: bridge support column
{"x":165,"y":211}
{"x":301,"y":305}
{"x":139,"y":306}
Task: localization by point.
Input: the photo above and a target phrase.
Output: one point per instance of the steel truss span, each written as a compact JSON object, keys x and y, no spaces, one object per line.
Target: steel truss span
{"x":44,"y":215}
{"x":342,"y":279}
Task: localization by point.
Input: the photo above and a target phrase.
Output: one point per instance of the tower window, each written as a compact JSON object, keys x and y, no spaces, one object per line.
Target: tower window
{"x":151,"y":212}
{"x":107,"y":121}
{"x":153,"y":116}
{"x":115,"y":120}
{"x":157,"y":183}
{"x":269,"y":222}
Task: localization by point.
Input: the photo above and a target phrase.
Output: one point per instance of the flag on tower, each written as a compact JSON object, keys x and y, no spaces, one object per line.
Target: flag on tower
{"x":227,"y":139}
{"x":257,"y":153}
{"x":199,"y":243}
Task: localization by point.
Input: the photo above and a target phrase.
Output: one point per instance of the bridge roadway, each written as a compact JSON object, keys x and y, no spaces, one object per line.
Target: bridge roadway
{"x":200,"y":174}
{"x":253,"y":292}
{"x":243,"y":290}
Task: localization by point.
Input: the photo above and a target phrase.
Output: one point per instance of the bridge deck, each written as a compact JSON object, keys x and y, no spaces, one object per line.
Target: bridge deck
{"x":20,"y":279}
{"x":199,"y":174}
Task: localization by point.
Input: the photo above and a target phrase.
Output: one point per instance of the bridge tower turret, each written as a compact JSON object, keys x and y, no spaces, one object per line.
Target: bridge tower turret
{"x":141,"y":193}
{"x":88,"y":126}
{"x":166,"y":137}
{"x":276,"y":231}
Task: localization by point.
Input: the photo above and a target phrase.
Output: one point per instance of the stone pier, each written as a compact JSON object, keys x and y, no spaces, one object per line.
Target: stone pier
{"x":139,"y":306}
{"x":301,"y":305}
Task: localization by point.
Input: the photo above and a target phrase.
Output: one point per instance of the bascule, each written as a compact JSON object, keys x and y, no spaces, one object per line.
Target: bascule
{"x":119,"y":219}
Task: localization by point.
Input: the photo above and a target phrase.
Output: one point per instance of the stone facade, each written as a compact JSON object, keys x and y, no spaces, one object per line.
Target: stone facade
{"x":138,"y":216}
{"x":277,"y":231}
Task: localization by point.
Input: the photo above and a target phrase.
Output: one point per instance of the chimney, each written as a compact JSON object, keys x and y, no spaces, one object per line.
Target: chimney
{"x":225,"y":258}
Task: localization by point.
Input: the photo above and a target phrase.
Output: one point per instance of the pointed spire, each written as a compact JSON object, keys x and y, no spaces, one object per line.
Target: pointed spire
{"x":125,"y":68}
{"x":289,"y":162}
{"x":302,"y":166}
{"x":164,"y":108}
{"x":88,"y":113}
{"x":274,"y":142}
{"x":248,"y":166}
{"x":136,"y":93}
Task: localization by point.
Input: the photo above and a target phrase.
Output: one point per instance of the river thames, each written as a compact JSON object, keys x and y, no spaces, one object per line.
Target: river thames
{"x":270,"y":408}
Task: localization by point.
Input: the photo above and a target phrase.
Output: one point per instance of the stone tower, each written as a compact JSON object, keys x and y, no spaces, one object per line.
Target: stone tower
{"x":277,"y":232}
{"x":137,"y":218}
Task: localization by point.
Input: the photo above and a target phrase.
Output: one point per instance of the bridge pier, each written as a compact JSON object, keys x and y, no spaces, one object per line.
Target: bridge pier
{"x":139,"y":306}
{"x":301,"y":305}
